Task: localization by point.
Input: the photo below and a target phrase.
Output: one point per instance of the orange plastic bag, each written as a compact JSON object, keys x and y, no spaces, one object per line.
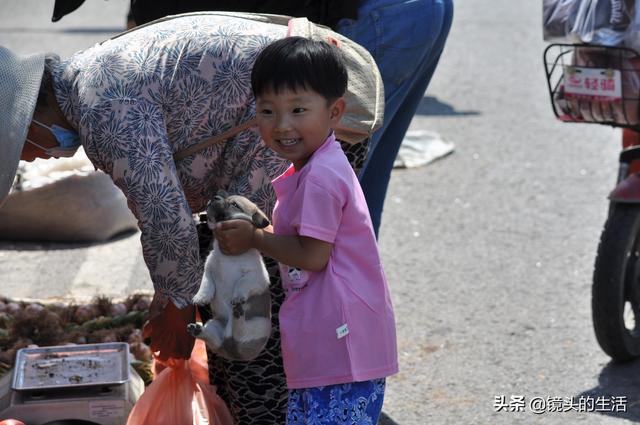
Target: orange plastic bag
{"x":181,"y":395}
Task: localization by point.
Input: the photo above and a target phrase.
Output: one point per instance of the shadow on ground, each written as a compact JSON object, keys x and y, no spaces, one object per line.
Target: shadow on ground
{"x":386,"y":420}
{"x":432,"y":106}
{"x":7,"y":245}
{"x":617,"y":380}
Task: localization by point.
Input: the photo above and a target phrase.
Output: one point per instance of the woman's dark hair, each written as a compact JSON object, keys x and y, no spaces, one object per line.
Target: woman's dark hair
{"x":299,"y":63}
{"x":51,"y":60}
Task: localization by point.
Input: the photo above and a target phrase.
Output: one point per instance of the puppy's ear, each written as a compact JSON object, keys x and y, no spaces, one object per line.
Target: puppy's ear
{"x":223,"y":193}
{"x":260,"y":220}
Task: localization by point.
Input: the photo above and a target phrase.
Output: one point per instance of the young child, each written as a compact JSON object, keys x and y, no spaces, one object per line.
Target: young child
{"x":336,"y":323}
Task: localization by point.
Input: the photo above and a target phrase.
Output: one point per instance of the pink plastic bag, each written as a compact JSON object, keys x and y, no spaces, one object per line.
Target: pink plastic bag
{"x":181,"y":395}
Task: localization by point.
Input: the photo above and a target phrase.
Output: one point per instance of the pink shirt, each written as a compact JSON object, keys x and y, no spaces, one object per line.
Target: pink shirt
{"x":337,"y":325}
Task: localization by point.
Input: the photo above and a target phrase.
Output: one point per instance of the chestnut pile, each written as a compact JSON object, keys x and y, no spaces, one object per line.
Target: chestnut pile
{"x":34,"y":324}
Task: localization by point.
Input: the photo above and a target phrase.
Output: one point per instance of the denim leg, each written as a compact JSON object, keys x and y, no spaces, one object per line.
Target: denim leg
{"x":406,"y":38}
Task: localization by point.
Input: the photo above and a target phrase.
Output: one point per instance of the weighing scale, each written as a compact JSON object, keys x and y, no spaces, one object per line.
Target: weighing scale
{"x":93,"y":383}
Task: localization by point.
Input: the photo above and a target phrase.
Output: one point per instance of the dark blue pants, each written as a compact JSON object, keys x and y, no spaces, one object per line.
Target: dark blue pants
{"x":406,"y":39}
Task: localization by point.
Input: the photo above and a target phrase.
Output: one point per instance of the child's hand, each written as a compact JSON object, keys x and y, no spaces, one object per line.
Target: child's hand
{"x":234,"y":236}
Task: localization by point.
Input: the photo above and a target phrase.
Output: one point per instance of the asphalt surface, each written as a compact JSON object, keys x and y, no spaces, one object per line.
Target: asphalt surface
{"x":489,"y":252}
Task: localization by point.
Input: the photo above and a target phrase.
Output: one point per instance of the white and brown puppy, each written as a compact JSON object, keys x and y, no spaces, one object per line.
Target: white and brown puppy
{"x":236,"y":287}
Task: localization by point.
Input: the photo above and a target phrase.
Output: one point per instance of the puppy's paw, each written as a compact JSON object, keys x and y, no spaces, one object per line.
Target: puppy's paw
{"x":194,"y":329}
{"x":206,"y":291}
{"x":237,"y":305}
{"x":238,"y":300}
{"x":201,"y":298}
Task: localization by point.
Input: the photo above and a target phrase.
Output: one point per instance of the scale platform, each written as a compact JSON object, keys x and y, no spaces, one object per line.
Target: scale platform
{"x":93,"y":383}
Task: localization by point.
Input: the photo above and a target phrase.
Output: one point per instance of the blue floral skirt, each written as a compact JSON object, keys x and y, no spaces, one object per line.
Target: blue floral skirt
{"x":343,"y":404}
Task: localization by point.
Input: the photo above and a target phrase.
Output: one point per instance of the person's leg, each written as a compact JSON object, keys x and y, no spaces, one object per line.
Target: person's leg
{"x":376,"y":173}
{"x":352,"y":403}
{"x":404,"y":86}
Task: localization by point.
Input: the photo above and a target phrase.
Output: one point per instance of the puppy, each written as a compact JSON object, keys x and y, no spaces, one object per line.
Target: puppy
{"x":236,"y":287}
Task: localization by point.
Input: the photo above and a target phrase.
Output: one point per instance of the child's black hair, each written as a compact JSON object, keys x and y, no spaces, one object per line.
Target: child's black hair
{"x":298,"y":63}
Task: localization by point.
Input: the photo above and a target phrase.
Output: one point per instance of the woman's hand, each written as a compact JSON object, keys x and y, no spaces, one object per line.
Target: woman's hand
{"x":167,"y":329}
{"x":235,"y":236}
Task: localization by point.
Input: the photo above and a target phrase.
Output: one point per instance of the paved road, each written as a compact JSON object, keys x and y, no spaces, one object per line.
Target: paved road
{"x":489,"y":252}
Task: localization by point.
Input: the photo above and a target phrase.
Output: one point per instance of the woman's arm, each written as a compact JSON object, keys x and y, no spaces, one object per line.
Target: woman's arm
{"x":236,"y":236}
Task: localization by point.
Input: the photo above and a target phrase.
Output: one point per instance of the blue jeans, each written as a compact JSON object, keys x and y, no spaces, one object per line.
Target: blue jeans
{"x":406,"y":38}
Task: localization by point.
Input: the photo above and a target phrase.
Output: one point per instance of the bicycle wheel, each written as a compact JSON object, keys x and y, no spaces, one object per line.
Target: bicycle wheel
{"x":615,"y":301}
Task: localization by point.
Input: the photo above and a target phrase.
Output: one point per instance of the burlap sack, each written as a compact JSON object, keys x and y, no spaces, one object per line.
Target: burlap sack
{"x":77,"y":208}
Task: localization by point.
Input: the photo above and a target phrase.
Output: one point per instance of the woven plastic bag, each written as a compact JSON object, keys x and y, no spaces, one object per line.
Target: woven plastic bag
{"x":180,"y":394}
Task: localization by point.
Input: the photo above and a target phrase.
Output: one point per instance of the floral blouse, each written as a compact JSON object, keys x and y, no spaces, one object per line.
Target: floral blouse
{"x":137,"y":99}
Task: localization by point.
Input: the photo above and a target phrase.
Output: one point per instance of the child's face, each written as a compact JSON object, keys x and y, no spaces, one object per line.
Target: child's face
{"x":296,"y":123}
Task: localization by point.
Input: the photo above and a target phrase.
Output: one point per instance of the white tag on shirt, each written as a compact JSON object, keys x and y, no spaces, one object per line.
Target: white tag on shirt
{"x":342,"y":331}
